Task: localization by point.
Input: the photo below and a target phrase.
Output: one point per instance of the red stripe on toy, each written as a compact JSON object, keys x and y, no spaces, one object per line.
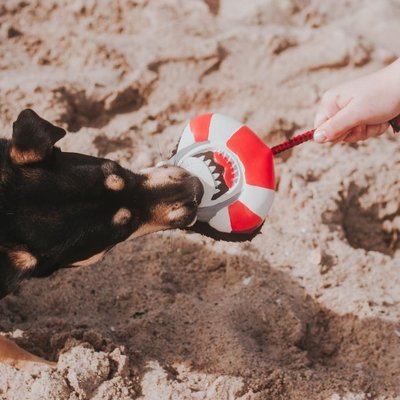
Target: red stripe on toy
{"x":259,"y":169}
{"x":242,"y":218}
{"x":200,"y":127}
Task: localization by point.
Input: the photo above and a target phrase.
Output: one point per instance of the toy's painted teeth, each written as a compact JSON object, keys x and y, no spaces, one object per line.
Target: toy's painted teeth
{"x":230,"y":168}
{"x":223,"y":170}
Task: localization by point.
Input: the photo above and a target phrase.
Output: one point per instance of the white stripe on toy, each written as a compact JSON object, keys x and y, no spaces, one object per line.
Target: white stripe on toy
{"x":257,"y":199}
{"x":222,"y":128}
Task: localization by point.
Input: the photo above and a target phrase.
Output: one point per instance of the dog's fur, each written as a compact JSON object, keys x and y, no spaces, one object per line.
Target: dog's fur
{"x":62,"y":209}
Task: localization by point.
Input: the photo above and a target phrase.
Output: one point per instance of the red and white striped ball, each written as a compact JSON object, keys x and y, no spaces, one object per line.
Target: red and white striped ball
{"x":236,"y":169}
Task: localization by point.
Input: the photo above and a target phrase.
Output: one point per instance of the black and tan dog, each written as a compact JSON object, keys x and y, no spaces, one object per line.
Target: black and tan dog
{"x":62,"y":209}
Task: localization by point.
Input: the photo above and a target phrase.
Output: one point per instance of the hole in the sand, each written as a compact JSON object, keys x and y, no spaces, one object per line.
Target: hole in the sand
{"x":213,"y":6}
{"x":106,"y":145}
{"x":82,"y":110}
{"x":365,"y":227}
{"x":318,"y":340}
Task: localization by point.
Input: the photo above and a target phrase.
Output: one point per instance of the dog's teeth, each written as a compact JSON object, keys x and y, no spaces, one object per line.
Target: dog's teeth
{"x":217,"y":183}
{"x":208,"y":162}
{"x":215,"y":176}
{"x":201,"y":158}
{"x":212,"y":168}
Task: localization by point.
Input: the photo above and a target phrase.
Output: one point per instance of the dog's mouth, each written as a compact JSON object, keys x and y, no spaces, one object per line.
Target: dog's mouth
{"x":198,"y":190}
{"x":175,"y":195}
{"x":223,"y":170}
{"x":192,"y":205}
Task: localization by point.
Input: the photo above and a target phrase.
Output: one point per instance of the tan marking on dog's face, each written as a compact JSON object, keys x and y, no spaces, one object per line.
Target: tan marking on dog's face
{"x":89,"y":261}
{"x":25,"y":157}
{"x":163,"y":217}
{"x":114,"y":182}
{"x":175,"y":214}
{"x":122,"y":217}
{"x":167,"y":214}
{"x":162,"y":176}
{"x":22,"y":259}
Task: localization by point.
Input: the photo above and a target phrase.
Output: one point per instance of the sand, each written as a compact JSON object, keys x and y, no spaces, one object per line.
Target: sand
{"x":310,"y":309}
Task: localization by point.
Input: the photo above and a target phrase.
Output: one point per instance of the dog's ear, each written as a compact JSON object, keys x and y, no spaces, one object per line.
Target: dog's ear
{"x":33,"y":138}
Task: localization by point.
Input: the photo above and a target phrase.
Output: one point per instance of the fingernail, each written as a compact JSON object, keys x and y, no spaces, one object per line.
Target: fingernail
{"x":320,"y":136}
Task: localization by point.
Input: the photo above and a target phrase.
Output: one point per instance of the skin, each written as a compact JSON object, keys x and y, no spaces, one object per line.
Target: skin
{"x":359,"y":109}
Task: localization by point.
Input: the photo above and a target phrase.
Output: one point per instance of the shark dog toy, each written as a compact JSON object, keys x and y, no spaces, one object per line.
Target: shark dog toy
{"x":236,"y":169}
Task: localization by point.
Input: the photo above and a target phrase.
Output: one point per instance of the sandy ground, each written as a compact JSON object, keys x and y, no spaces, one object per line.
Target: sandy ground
{"x":311,"y":308}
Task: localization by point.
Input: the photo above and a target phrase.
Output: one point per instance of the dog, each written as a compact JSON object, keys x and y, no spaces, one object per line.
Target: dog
{"x":60,"y":209}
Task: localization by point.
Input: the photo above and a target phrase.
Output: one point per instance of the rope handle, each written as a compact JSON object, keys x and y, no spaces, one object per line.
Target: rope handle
{"x":292,"y":142}
{"x":306,"y":136}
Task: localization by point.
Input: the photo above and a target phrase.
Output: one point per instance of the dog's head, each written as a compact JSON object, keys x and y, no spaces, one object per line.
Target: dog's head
{"x":59,"y":208}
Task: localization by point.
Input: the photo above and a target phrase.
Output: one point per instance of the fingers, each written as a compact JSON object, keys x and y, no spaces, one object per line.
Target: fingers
{"x":356,"y":134}
{"x":337,"y":126}
{"x":327,"y":109}
{"x":332,"y":122}
{"x":364,"y":132}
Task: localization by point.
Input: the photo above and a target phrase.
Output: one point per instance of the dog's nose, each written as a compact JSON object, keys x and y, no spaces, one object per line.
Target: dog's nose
{"x":196,"y":187}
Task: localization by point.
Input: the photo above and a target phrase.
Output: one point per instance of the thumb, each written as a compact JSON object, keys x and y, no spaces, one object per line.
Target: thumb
{"x":333,"y":128}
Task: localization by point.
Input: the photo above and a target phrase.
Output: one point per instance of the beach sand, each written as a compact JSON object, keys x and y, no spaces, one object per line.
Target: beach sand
{"x":310,"y":309}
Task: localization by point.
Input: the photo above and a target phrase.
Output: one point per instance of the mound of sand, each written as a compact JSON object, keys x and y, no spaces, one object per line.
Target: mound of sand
{"x":309,"y":309}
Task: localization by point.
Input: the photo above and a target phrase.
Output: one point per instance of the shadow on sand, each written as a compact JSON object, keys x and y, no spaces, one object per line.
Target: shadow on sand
{"x":172,"y":299}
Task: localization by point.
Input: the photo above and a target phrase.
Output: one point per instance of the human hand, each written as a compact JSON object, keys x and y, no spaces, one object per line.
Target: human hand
{"x":359,"y":109}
